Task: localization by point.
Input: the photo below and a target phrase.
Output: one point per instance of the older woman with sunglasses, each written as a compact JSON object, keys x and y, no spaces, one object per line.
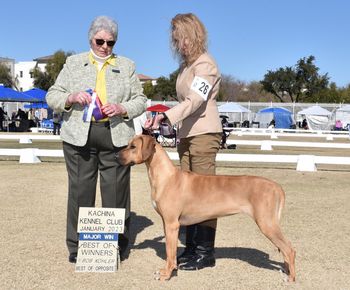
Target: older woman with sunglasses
{"x":99,"y":94}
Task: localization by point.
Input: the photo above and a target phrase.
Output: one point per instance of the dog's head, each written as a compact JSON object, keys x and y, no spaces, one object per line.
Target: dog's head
{"x":139,"y":150}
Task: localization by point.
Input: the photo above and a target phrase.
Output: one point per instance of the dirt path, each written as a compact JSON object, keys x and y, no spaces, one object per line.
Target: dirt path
{"x":316,"y":220}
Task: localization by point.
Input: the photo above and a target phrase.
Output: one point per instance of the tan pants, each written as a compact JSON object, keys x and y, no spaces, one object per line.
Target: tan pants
{"x":197,"y":154}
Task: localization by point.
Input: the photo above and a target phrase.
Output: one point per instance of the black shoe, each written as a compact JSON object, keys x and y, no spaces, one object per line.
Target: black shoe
{"x":198,"y":262}
{"x":72,"y":258}
{"x":187,"y":255}
{"x":204,"y":250}
{"x":189,"y":252}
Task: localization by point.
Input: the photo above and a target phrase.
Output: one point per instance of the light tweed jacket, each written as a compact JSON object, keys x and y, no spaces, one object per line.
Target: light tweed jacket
{"x":122,"y":86}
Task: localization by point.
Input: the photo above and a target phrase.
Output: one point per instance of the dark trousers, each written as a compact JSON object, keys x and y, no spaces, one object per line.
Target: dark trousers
{"x":83,"y":165}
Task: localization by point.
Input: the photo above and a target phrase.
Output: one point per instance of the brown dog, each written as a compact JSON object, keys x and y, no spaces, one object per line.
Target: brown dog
{"x":186,"y":198}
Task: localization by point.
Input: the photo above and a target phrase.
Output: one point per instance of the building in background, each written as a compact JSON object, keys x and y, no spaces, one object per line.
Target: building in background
{"x":144,"y":78}
{"x":24,"y":75}
{"x":22,"y":72}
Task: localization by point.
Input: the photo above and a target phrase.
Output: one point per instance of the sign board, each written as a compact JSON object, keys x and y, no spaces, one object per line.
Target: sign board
{"x":98,"y":230}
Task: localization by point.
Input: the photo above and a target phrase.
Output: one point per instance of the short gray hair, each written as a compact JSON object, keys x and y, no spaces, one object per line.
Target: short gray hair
{"x":103,"y":23}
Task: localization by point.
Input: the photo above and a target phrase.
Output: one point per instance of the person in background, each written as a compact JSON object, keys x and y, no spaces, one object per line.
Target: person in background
{"x":37,"y":117}
{"x":99,"y":95}
{"x":272,"y":124}
{"x":21,"y":115}
{"x":31,"y":118}
{"x":304,"y":124}
{"x":225,"y":133}
{"x":338,"y":125}
{"x":56,"y":119}
{"x":2,"y":118}
{"x":198,"y":122}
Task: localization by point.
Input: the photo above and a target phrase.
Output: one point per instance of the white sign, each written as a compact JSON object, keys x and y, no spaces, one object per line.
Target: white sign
{"x":201,"y":87}
{"x":101,"y":220}
{"x":98,"y":238}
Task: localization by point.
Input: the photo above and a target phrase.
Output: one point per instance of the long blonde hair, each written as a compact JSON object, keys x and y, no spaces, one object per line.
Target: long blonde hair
{"x":188,"y":26}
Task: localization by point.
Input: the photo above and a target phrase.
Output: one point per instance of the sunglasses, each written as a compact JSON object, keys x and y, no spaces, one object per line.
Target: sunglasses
{"x":101,"y":42}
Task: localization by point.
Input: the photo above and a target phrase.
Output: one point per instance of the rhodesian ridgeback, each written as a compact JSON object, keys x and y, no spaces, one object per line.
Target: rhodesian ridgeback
{"x":186,"y":198}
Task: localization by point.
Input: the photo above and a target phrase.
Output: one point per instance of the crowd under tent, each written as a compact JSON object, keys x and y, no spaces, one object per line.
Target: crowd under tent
{"x":317,"y":118}
{"x":234,"y":112}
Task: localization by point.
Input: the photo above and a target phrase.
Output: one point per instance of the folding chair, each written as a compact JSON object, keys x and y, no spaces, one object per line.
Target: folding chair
{"x":167,"y":135}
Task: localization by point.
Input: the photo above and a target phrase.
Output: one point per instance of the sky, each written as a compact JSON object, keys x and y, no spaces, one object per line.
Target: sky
{"x":246,"y":37}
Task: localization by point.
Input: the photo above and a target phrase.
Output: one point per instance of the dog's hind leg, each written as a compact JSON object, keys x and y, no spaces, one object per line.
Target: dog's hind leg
{"x":273,"y":232}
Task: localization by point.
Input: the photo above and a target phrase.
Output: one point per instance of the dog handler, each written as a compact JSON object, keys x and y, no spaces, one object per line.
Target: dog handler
{"x":199,"y":125}
{"x":93,"y":134}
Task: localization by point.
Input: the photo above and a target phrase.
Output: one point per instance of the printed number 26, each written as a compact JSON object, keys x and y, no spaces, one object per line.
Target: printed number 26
{"x":204,"y":88}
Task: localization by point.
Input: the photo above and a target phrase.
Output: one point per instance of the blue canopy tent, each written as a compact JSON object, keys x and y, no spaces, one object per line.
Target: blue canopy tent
{"x":37,"y":93}
{"x":10,"y":95}
{"x":282,"y":117}
{"x":35,"y":98}
{"x":36,"y":106}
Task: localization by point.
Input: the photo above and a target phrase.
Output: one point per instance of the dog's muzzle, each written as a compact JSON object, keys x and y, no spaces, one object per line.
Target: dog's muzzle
{"x":121,"y":162}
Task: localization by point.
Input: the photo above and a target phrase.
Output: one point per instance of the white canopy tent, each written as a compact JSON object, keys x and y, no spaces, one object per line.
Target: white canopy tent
{"x":235,"y":112}
{"x":343,"y":114}
{"x":317,"y":118}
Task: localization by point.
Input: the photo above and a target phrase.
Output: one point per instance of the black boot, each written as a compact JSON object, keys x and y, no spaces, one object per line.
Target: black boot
{"x":189,"y":251}
{"x":204,"y":252}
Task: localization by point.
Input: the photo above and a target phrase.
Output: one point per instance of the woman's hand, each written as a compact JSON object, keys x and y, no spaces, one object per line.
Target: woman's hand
{"x":81,"y":98}
{"x":148,"y":124}
{"x":153,"y":123}
{"x":111,"y":110}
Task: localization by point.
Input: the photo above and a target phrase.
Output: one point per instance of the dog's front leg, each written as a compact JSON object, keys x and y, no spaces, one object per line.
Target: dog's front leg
{"x":171,"y":237}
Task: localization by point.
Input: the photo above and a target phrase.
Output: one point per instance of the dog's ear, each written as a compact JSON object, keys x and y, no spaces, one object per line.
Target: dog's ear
{"x":147,"y":147}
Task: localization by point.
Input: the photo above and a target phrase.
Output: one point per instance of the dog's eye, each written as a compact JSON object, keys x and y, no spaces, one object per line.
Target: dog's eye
{"x":132,"y":146}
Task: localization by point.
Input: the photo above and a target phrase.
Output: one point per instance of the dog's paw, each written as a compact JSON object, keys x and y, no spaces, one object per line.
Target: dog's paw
{"x":159,"y":275}
{"x":156,"y":275}
{"x":283,"y":275}
{"x":164,"y":275}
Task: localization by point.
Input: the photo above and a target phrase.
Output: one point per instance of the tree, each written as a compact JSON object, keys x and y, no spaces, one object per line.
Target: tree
{"x":329,"y":95}
{"x":344,"y":94}
{"x":45,"y":79}
{"x":148,"y":89}
{"x":299,"y":83}
{"x":5,"y":77}
{"x":280,"y":83}
{"x":230,"y":89}
{"x":166,"y":87}
{"x":253,"y":92}
{"x":234,"y":90}
{"x":309,"y":82}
